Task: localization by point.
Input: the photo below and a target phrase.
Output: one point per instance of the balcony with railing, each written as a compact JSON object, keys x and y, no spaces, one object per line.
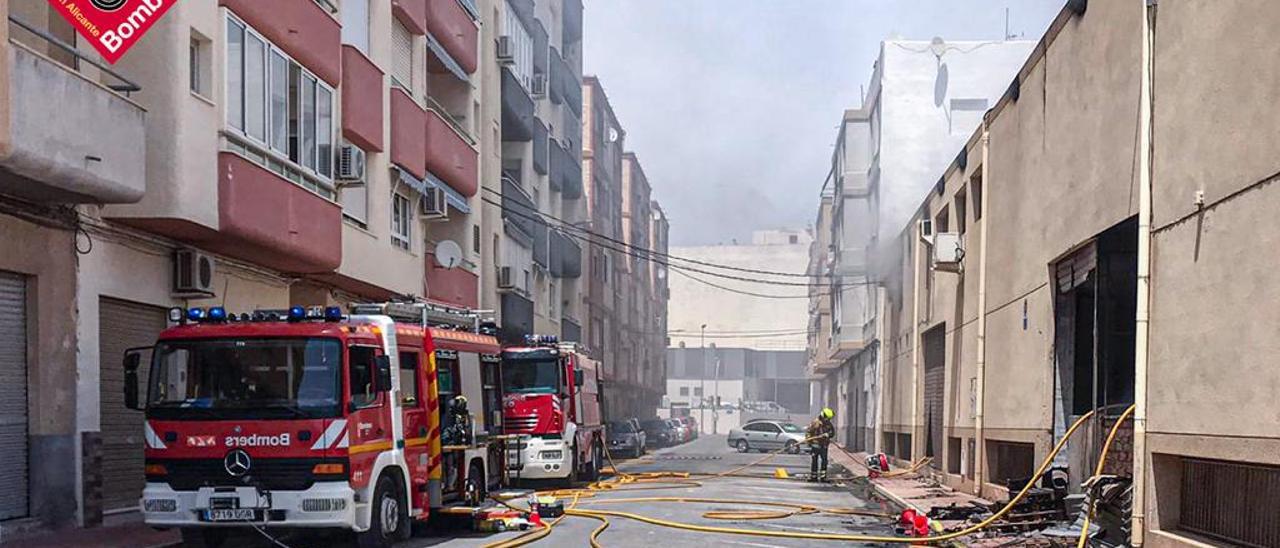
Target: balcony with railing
{"x":304,"y":29}
{"x":517,"y":109}
{"x":569,"y":253}
{"x":566,"y":171}
{"x":49,"y":155}
{"x":408,"y":134}
{"x":452,"y":26}
{"x":269,"y":220}
{"x":571,"y":18}
{"x":518,"y":211}
{"x":450,"y":153}
{"x":453,"y":285}
{"x":412,"y":14}
{"x":555,"y":84}
{"x":565,"y":83}
{"x":541,"y":44}
{"x":540,"y":145}
{"x":362,"y":99}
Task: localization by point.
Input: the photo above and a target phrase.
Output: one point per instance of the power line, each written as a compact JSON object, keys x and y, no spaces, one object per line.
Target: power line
{"x":645,"y":256}
{"x":749,"y":293}
{"x":566,"y":224}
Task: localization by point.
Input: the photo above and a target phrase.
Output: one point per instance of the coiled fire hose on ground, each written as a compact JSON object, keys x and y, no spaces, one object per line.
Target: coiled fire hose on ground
{"x":603,"y":515}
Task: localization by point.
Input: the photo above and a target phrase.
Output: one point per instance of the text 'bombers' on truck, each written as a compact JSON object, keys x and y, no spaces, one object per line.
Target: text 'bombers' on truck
{"x":553,"y":404}
{"x":313,"y":418}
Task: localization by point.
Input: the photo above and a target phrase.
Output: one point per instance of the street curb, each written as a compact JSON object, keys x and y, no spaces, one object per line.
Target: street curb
{"x":894,"y":497}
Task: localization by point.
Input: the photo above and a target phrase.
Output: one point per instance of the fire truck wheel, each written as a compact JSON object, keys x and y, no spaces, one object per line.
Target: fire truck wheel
{"x":389,"y":521}
{"x":203,"y":537}
{"x":593,"y":473}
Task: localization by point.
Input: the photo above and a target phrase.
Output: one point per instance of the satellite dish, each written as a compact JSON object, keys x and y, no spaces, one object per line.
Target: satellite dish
{"x":613,"y":135}
{"x":448,"y":254}
{"x":938,"y":46}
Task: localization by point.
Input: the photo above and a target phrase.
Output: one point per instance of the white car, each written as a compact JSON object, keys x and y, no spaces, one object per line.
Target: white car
{"x":767,"y":435}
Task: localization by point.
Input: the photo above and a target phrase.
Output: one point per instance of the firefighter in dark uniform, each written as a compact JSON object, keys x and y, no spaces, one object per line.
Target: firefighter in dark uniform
{"x":819,"y":433}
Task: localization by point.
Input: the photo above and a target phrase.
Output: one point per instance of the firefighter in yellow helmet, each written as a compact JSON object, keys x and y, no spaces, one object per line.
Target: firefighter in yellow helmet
{"x":820,"y":432}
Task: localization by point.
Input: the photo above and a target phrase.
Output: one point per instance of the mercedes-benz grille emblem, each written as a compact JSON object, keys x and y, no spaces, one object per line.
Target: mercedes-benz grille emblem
{"x":237,"y":463}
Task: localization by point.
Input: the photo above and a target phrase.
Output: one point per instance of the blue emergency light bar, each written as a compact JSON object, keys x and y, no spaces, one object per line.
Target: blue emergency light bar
{"x":218,"y":314}
{"x":532,"y":340}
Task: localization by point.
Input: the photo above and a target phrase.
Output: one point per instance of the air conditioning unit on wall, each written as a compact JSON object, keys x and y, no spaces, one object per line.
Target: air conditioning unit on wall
{"x":539,"y":85}
{"x":948,"y":251}
{"x":433,"y":205}
{"x":506,"y":50}
{"x":192,"y":274}
{"x":350,"y":164}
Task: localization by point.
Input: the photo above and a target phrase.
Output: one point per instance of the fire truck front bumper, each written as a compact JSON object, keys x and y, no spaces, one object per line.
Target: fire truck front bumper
{"x":539,"y":458}
{"x":324,"y":504}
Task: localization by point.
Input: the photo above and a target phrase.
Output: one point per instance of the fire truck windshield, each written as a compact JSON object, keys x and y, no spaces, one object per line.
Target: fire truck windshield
{"x":246,"y":378}
{"x":531,"y":376}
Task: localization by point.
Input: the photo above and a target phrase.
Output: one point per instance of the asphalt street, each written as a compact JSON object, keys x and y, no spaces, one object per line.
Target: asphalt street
{"x":706,"y":455}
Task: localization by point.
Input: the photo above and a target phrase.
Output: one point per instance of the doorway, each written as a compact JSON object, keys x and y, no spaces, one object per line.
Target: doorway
{"x":935,"y":359}
{"x":1094,"y":309}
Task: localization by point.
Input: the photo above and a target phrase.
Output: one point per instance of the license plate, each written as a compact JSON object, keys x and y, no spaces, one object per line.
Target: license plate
{"x":233,"y":514}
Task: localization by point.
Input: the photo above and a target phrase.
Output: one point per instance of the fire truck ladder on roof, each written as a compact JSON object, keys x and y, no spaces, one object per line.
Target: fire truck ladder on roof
{"x":424,"y":314}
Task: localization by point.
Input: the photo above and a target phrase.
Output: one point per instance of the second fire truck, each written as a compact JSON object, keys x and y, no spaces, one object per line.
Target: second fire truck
{"x":553,"y":397}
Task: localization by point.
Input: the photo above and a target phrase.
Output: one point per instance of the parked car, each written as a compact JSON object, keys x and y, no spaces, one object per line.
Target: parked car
{"x":767,"y":435}
{"x":682,"y":431}
{"x":659,"y":433}
{"x":625,"y":439}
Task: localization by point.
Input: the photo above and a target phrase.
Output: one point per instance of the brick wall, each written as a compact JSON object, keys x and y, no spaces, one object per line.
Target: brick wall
{"x":1120,"y":456}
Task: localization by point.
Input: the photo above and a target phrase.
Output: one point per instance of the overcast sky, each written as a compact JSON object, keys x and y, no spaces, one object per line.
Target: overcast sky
{"x":732,"y":105}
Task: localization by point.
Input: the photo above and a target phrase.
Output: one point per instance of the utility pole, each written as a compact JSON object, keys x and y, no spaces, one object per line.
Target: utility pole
{"x":702,"y":383}
{"x":715,"y":409}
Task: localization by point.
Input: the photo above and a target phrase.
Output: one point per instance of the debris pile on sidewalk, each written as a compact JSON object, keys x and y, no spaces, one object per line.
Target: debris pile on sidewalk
{"x":1046,"y":515}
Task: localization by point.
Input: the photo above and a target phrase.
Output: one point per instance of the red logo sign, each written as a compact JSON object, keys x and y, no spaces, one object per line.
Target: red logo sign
{"x":112,"y":26}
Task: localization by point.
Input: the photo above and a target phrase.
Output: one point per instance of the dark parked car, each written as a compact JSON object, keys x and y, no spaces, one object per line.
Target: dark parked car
{"x":659,"y":433}
{"x":625,"y":439}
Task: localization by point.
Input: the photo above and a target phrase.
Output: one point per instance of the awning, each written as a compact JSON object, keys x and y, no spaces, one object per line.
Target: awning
{"x":470,"y":6}
{"x":444,"y":57}
{"x":410,"y":181}
{"x":451,"y":196}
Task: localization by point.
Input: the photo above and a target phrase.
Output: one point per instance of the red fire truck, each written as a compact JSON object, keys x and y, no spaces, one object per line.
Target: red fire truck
{"x":315,"y":419}
{"x":553,"y":403}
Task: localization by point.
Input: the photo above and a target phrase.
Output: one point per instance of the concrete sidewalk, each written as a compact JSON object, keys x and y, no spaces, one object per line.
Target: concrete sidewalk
{"x":131,"y":535}
{"x":921,"y":493}
{"x":913,"y":491}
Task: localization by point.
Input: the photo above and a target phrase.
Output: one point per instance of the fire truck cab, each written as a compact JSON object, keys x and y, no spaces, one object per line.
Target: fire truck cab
{"x":309,"y":418}
{"x":552,"y":404}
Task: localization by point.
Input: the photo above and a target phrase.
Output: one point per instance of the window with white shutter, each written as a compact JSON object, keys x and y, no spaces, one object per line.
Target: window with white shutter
{"x":401,"y":56}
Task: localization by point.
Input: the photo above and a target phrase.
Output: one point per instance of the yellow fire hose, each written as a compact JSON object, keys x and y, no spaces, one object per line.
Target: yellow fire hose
{"x":604,"y":514}
{"x":1102,"y":459}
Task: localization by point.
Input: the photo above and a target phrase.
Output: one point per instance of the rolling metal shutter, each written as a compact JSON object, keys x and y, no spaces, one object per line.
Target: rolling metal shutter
{"x":122,"y":325}
{"x":935,"y":358}
{"x":13,"y":395}
{"x":402,"y":56}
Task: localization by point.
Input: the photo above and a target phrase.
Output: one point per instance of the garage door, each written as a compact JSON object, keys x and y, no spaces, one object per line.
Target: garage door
{"x":122,"y":325}
{"x":935,"y":359}
{"x":13,"y":396}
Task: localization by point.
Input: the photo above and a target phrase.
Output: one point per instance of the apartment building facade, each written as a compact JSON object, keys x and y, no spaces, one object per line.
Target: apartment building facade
{"x":924,"y":100}
{"x":1112,"y":250}
{"x":535,"y":285}
{"x":256,"y":156}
